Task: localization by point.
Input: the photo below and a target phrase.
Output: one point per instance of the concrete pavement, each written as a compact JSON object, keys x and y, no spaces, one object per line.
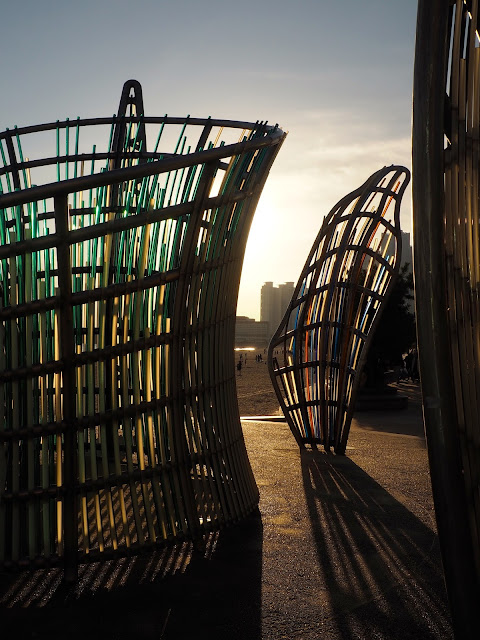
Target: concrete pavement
{"x":341,"y":548}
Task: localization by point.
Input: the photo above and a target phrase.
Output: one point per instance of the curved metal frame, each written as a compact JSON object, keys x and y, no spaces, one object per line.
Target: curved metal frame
{"x":324,"y":336}
{"x":119,"y":425}
{"x":446,"y":208}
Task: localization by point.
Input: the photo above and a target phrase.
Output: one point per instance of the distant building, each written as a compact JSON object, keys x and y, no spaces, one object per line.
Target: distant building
{"x":250,"y":333}
{"x":389,"y":247}
{"x":407,"y":254}
{"x":407,"y":258}
{"x":273,"y":303}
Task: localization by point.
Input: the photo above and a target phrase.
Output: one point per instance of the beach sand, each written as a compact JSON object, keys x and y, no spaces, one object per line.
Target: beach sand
{"x":255,"y":393}
{"x":256,"y":396}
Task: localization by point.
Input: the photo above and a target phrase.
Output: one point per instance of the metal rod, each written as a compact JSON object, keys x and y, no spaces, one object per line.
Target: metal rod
{"x":70,"y":471}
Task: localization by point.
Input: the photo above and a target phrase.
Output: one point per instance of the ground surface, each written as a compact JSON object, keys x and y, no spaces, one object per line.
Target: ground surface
{"x":341,"y":548}
{"x":254,"y":388}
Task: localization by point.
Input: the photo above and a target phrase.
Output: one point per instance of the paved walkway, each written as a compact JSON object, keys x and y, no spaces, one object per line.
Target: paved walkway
{"x":341,"y":548}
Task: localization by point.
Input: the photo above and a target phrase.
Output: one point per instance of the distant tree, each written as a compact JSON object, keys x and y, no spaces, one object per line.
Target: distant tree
{"x":395,"y":332}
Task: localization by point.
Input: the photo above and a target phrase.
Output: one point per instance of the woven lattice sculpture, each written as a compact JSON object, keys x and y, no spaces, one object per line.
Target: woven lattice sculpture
{"x":317,"y":353}
{"x":119,"y":424}
{"x":446,"y":172}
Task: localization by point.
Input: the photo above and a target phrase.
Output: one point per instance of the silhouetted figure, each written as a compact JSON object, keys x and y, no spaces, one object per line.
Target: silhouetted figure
{"x":414,"y":373}
{"x":403,"y":373}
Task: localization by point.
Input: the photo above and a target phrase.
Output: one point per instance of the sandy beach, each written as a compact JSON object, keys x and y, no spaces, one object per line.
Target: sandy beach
{"x":255,"y":393}
{"x":256,"y":396}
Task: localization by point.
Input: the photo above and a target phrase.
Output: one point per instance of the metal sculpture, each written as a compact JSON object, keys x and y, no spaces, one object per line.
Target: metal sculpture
{"x":446,"y":172}
{"x":317,"y":354}
{"x":119,"y":424}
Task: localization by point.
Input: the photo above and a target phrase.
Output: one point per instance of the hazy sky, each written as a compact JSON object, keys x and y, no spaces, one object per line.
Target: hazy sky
{"x":336,"y":75}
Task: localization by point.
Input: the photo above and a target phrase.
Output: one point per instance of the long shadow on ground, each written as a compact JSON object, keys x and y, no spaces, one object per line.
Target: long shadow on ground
{"x":380,"y":563}
{"x":174,"y":593}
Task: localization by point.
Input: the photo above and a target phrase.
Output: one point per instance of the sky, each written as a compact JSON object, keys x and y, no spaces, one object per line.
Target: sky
{"x":337,"y":76}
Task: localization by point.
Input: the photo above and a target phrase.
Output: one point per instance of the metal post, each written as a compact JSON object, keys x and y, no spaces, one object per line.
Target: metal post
{"x":431,"y":305}
{"x":70,"y":455}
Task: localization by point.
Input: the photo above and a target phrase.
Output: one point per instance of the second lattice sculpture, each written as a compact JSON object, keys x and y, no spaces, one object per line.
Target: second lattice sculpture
{"x":318,"y":351}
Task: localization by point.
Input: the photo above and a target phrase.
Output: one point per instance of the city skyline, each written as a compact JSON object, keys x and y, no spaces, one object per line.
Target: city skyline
{"x":406,"y":257}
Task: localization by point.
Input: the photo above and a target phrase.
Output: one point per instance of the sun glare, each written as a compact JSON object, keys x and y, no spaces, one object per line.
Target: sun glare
{"x":262,"y":231}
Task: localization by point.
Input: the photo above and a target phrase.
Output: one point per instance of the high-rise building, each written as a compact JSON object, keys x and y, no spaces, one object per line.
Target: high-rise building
{"x":407,"y":255}
{"x":388,"y":247}
{"x":407,"y":258}
{"x":266,"y":303}
{"x":274,"y":302}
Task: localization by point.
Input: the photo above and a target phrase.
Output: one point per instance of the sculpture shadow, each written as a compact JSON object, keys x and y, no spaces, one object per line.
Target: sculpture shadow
{"x":177,"y":592}
{"x":380,"y":564}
